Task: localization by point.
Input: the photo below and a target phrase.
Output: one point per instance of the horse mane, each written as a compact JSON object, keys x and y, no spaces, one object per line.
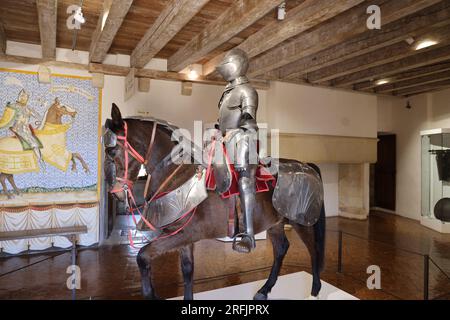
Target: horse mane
{"x":166,"y":127}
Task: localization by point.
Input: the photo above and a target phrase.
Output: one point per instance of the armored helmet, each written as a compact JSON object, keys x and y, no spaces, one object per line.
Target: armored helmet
{"x":23,"y":97}
{"x":234,"y":65}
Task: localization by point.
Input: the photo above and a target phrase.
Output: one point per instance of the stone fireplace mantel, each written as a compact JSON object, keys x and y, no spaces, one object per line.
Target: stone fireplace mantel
{"x":352,"y":155}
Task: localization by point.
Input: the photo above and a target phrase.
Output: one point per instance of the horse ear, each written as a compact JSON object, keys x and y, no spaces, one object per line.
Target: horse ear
{"x":116,"y":116}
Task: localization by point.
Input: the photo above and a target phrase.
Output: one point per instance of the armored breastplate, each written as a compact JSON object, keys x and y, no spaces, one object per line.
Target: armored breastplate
{"x":230,"y":110}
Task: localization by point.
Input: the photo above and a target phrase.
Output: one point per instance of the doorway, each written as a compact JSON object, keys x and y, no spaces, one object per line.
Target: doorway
{"x":384,"y":173}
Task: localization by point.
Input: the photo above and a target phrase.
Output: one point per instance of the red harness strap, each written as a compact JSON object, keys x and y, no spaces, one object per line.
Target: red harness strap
{"x":128,"y":148}
{"x":127,"y":184}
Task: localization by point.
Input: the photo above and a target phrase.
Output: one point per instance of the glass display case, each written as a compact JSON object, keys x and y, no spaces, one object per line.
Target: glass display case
{"x":436,"y":175}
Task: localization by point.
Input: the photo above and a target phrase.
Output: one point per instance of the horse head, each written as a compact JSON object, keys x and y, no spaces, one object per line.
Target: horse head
{"x":63,"y":110}
{"x":57,"y":111}
{"x":121,"y":169}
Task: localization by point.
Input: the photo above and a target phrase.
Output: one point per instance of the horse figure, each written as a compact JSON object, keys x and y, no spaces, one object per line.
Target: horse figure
{"x":52,"y":134}
{"x":211,"y":217}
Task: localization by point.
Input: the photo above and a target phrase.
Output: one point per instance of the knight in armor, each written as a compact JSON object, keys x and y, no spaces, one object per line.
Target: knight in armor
{"x":237,"y":123}
{"x":16,"y":117}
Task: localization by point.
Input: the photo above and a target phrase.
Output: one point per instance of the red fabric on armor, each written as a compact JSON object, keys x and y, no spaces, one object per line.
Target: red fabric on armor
{"x":263,"y":177}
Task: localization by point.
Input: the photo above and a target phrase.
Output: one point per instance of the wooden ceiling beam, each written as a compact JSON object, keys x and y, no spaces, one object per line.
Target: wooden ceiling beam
{"x":108,"y":24}
{"x":241,"y":14}
{"x":299,"y":19}
{"x":412,"y":74}
{"x":47,"y":15}
{"x":389,"y":69}
{"x":342,"y":28}
{"x":2,"y":38}
{"x":172,"y":19}
{"x":369,"y":41}
{"x":423,"y":88}
{"x":381,"y":56}
{"x":164,"y":75}
{"x":444,"y":75}
{"x":115,"y":70}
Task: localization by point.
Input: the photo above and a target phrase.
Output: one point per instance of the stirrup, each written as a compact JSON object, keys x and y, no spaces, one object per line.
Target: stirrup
{"x":245,"y":244}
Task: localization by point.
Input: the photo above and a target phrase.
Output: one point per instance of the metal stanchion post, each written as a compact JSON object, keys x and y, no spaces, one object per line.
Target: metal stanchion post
{"x":426,"y":268}
{"x":340,"y":252}
{"x":74,"y":262}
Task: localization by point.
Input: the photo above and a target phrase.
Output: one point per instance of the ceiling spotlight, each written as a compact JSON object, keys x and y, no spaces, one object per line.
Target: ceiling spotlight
{"x":281,"y":11}
{"x":192,"y":74}
{"x":381,"y":82}
{"x":425,"y":44}
{"x":410,"y":40}
{"x":78,"y":16}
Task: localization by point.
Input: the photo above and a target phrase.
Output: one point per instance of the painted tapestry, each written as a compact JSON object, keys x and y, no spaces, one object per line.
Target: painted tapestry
{"x":49,"y":144}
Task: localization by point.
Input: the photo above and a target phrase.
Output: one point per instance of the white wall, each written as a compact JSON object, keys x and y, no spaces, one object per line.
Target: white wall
{"x":312,"y":110}
{"x":428,"y":111}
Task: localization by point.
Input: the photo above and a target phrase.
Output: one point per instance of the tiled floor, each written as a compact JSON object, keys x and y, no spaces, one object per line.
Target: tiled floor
{"x":110,"y":272}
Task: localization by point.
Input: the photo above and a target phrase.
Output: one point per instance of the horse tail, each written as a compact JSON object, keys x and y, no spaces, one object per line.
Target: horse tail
{"x":319,"y":229}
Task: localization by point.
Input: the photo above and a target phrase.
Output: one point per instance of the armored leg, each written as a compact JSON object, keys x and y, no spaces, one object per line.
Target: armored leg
{"x":245,"y":242}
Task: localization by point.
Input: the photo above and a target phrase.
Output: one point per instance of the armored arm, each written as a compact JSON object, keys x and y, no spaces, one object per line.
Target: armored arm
{"x":249,"y":105}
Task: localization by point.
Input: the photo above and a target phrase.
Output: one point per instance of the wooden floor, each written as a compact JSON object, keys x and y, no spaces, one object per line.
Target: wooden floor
{"x":110,"y":272}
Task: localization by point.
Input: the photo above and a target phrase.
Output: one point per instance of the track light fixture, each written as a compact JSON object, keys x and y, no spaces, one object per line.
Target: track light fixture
{"x":281,"y":14}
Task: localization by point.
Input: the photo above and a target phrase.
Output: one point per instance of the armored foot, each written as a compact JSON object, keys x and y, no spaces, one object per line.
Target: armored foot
{"x":246,"y":243}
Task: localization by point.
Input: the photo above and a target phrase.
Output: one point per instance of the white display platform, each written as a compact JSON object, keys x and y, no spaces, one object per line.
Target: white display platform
{"x":294,"y":286}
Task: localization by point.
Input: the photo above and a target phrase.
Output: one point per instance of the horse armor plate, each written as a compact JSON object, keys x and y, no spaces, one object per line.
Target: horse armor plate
{"x":172,"y":206}
{"x":298,"y":194}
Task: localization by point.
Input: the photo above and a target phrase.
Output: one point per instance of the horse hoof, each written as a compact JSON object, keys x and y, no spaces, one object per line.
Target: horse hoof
{"x":260,"y":296}
{"x":152,"y":297}
{"x":312,"y":298}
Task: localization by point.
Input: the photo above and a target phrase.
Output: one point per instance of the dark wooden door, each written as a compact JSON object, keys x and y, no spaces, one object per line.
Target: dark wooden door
{"x":385,"y":172}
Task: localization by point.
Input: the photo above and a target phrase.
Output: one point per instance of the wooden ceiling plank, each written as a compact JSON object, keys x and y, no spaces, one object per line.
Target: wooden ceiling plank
{"x":369,"y":41}
{"x":381,"y":56}
{"x":389,"y":69}
{"x":444,"y":75}
{"x":172,"y":19}
{"x":423,"y":88}
{"x":238,"y":17}
{"x":344,"y":27}
{"x":301,"y":18}
{"x":116,"y":10}
{"x":412,"y":74}
{"x":47,"y":15}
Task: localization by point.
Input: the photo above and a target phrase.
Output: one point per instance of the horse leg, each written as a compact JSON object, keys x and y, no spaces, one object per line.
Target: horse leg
{"x":10,"y":178}
{"x":74,"y":164}
{"x":144,"y":263}
{"x":187,"y":267}
{"x":280,"y":246}
{"x":314,"y":239}
{"x":4,"y":186}
{"x":83,"y":163}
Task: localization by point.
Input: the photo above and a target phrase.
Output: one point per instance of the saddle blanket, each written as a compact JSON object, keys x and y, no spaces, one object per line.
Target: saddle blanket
{"x":263,"y":178}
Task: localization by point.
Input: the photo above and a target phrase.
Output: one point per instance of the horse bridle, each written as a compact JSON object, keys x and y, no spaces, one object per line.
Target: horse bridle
{"x":111,"y":140}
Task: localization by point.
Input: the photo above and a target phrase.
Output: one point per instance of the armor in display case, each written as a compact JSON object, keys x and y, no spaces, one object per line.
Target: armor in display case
{"x":436,"y":179}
